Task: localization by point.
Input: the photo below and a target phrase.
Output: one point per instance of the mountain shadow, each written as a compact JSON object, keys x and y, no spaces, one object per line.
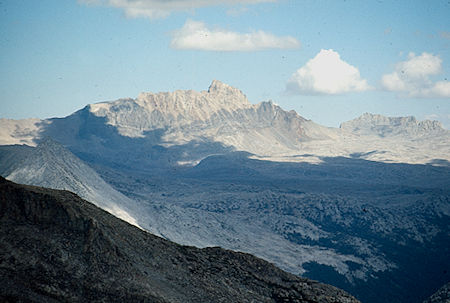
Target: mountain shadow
{"x":332,"y":174}
{"x":93,"y":140}
{"x":57,"y":247}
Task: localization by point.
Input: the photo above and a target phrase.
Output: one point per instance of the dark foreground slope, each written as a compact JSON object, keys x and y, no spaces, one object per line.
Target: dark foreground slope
{"x":58,"y":247}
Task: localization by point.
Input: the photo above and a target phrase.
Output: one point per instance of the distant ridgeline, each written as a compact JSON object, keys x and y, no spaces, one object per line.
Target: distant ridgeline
{"x":363,"y":207}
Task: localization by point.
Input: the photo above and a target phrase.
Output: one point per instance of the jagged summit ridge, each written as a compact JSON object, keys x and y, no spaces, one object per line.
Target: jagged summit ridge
{"x":373,"y":124}
{"x":218,"y":87}
{"x":220,"y":114}
{"x":150,"y":111}
{"x":223,"y":119}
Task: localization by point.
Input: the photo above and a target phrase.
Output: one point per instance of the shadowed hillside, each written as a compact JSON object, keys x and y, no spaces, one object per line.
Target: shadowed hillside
{"x":58,"y":247}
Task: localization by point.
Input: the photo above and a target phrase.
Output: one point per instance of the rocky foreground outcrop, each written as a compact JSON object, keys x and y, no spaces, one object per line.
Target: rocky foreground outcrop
{"x":57,"y":247}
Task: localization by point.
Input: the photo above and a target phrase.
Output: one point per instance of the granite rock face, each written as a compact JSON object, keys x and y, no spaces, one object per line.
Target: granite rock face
{"x":187,"y":126}
{"x":363,"y":207}
{"x":378,"y":125}
{"x":57,"y":247}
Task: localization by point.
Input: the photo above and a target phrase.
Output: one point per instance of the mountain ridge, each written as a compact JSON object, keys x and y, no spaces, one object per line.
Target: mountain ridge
{"x":378,"y":125}
{"x":222,"y":119}
{"x":251,"y":179}
{"x":151,"y":111}
{"x":51,"y":165}
{"x":58,"y":247}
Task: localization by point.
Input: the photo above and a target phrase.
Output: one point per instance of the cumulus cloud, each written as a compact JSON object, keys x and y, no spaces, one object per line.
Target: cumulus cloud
{"x":412,"y":78}
{"x":195,"y":35}
{"x":155,"y":9}
{"x":328,"y":74}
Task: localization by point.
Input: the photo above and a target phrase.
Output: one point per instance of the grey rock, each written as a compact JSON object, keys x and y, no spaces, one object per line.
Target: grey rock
{"x":334,"y":211}
{"x":53,"y":166}
{"x":378,"y":125}
{"x":57,"y":247}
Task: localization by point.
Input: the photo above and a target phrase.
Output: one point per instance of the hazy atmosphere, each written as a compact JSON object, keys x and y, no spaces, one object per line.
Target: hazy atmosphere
{"x":330,"y":61}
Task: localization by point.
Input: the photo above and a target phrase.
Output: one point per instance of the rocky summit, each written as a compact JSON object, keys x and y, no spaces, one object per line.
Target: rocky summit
{"x":363,"y":207}
{"x":191,"y":125}
{"x":57,"y":247}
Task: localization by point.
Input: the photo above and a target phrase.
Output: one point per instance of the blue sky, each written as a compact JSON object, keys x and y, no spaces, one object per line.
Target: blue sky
{"x":330,"y":61}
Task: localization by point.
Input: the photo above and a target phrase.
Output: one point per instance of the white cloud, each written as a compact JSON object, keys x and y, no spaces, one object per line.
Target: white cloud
{"x":412,"y":77}
{"x":326,"y":73}
{"x":155,"y":9}
{"x":195,"y":35}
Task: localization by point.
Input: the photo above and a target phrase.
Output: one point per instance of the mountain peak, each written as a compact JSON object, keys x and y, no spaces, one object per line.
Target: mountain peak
{"x":220,"y":87}
{"x":175,"y":110}
{"x":217,"y":85}
{"x":379,"y":125}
